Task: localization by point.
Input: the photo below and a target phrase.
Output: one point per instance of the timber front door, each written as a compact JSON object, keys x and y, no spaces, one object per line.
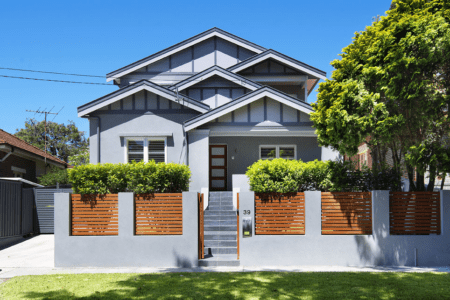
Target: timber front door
{"x":218,"y":167}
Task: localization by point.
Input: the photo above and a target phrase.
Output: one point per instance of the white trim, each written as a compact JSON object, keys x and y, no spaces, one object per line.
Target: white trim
{"x":245,"y":102}
{"x":134,"y":91}
{"x":221,"y":74}
{"x":145,"y":149}
{"x":21,"y":180}
{"x":282,"y":60}
{"x":178,"y":49}
{"x":277,"y":150}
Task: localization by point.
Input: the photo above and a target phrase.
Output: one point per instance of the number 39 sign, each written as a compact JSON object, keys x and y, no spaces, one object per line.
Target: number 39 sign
{"x":246,"y":212}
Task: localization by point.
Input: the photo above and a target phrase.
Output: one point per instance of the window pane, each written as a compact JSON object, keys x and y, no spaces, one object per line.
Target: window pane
{"x":218,"y":162}
{"x":157,"y":157}
{"x":217,"y":151}
{"x":287,"y":152}
{"x":136,"y":157}
{"x":155,"y":146}
{"x":135,"y":146}
{"x":218,"y":183}
{"x":217,"y":172}
{"x":268,"y":152}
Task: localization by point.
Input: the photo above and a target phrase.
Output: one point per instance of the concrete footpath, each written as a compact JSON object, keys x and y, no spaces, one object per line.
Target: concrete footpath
{"x":35,"y":256}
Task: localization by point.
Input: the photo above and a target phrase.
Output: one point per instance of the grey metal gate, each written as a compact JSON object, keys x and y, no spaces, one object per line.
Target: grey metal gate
{"x":16,"y":209}
{"x":45,"y":208}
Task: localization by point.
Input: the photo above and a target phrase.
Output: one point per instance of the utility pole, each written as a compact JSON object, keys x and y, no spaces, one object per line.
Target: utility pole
{"x":38,"y":111}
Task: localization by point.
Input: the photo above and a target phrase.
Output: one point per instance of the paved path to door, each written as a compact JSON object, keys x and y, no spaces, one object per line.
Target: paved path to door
{"x":34,"y":256}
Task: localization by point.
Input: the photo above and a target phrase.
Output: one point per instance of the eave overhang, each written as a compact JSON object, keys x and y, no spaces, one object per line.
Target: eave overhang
{"x":213,"y":32}
{"x":244,"y":100}
{"x":87,"y":108}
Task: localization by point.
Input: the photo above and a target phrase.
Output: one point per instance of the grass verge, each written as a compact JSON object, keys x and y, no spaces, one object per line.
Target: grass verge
{"x":257,"y":285}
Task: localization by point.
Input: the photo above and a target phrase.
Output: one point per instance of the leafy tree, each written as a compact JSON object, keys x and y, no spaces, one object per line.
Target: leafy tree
{"x":391,"y":89}
{"x":62,"y":140}
{"x":55,"y":175}
{"x":82,"y":158}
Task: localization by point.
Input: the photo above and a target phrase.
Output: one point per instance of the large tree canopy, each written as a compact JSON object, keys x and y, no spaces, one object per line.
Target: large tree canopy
{"x":391,"y":88}
{"x":62,"y":140}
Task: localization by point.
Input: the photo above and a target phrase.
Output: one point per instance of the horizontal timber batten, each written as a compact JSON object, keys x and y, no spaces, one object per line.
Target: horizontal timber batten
{"x":414,"y":213}
{"x":280,"y":213}
{"x":158,"y":214}
{"x":346,"y":213}
{"x":94,"y":214}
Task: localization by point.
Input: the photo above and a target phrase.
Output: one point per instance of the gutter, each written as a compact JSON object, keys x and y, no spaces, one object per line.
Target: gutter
{"x":11,"y":150}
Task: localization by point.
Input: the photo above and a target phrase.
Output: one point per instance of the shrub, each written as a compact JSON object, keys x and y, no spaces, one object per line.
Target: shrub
{"x":54,"y":176}
{"x":284,"y":176}
{"x":134,"y":177}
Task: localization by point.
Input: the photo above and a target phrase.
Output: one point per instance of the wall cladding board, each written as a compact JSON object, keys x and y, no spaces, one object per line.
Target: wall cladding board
{"x":209,"y":97}
{"x":164,"y":103}
{"x":204,"y":55}
{"x":273,"y":110}
{"x":257,"y":111}
{"x":116,"y":105}
{"x":226,"y":53}
{"x":245,"y":53}
{"x":139,"y":100}
{"x":128,"y":103}
{"x":289,"y":114}
{"x":223,"y":96}
{"x":236,"y":93}
{"x":194,"y":94}
{"x":182,"y":61}
{"x":152,"y":101}
{"x":241,"y":114}
{"x":159,"y":66}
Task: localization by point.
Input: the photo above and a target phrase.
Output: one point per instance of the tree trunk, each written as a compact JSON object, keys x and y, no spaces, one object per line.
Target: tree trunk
{"x":443,"y":180}
{"x":412,"y":186}
{"x":420,"y":184}
{"x":430,"y":187}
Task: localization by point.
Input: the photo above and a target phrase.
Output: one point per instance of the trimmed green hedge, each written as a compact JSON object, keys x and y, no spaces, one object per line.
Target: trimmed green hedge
{"x":141,"y":178}
{"x":287,"y":176}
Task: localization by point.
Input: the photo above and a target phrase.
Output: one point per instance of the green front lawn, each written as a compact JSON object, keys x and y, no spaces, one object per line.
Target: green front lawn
{"x":257,"y":285}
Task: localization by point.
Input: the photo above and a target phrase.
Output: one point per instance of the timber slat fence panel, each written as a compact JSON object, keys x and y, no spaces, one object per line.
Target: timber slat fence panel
{"x":201,"y":228}
{"x":414,"y":213}
{"x":346,"y":213}
{"x":280,"y":213}
{"x":159,"y":214}
{"x":95,"y":214}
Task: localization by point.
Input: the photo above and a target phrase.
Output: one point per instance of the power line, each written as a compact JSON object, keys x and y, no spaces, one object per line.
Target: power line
{"x":48,"y":72}
{"x":53,"y":80}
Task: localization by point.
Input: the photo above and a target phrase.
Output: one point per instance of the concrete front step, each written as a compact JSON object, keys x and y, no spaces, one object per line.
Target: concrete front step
{"x":219,"y":213}
{"x":220,"y":207}
{"x":220,"y":250}
{"x":221,"y":260}
{"x":220,"y":228}
{"x":220,"y":243}
{"x":220,"y":222}
{"x":220,"y":218}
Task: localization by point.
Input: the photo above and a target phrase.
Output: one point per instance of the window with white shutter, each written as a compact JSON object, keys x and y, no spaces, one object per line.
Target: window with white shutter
{"x":145,"y":149}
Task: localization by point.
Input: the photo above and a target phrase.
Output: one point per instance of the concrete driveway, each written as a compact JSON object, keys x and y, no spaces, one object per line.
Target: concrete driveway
{"x":31,"y":255}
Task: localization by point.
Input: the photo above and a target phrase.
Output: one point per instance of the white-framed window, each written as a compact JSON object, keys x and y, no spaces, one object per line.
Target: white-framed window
{"x":278,"y":151}
{"x":145,"y":149}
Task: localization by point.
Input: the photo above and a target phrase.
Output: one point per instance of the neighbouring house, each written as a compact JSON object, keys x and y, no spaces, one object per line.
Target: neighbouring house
{"x":215,"y":101}
{"x":20,"y":159}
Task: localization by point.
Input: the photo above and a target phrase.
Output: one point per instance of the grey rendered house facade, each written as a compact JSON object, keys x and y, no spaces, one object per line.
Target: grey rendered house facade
{"x":215,"y":102}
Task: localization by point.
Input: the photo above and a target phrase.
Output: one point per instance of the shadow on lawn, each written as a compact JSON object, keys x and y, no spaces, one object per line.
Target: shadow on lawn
{"x":266,"y":285}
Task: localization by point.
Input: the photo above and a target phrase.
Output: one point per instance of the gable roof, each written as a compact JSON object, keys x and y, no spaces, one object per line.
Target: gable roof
{"x":136,"y":87}
{"x":244,"y":100}
{"x":215,"y":71}
{"x":13,"y":141}
{"x":291,"y":62}
{"x":183,"y":45}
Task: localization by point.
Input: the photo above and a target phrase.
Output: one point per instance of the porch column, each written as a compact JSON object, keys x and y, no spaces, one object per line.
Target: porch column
{"x":199,"y":159}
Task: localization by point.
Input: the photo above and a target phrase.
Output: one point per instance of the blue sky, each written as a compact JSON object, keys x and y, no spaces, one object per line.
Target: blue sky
{"x":97,"y":37}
